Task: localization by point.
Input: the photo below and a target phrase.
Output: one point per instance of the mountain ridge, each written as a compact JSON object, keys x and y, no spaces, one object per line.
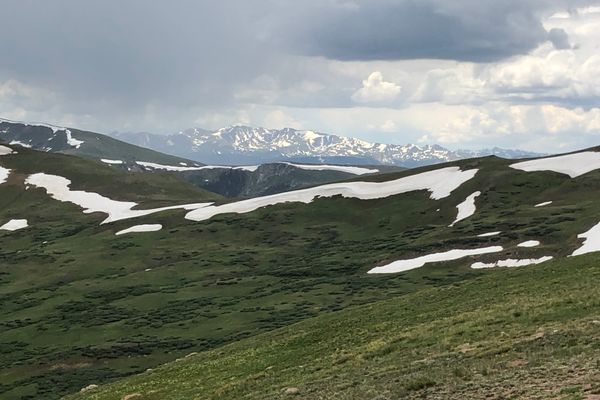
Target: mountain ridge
{"x":239,"y":144}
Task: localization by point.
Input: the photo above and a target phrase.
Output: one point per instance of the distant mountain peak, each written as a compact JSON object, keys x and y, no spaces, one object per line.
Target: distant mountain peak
{"x":240,"y":144}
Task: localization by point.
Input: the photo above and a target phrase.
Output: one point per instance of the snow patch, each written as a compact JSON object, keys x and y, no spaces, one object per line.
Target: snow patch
{"x":14,"y":225}
{"x":573,"y":165}
{"x":412,"y":263}
{"x":348,"y":169}
{"x":112,"y":162}
{"x":58,"y":188}
{"x":71,"y":141}
{"x":440,"y":183}
{"x":546,"y":203}
{"x":488,"y":234}
{"x":4,"y":173}
{"x":591,"y":243}
{"x":16,"y":142}
{"x":141,"y":228}
{"x":4,"y":151}
{"x":529,"y":243}
{"x":511,"y":262}
{"x":177,"y":168}
{"x":466,"y":208}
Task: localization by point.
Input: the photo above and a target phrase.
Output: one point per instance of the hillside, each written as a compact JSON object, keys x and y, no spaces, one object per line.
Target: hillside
{"x":55,"y":139}
{"x":248,"y":145}
{"x":520,"y":333}
{"x":85,"y":305}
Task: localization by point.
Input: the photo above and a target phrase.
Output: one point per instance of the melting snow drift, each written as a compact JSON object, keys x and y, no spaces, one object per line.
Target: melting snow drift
{"x":488,"y":234}
{"x":14,"y":225}
{"x":466,"y":208}
{"x":4,"y":173}
{"x":511,"y":262}
{"x":341,"y":168}
{"x":440,"y":183}
{"x":546,"y":203}
{"x":4,"y":151}
{"x":141,"y":228}
{"x":529,"y":243}
{"x":58,"y":188}
{"x":573,"y":165}
{"x":405,"y":265}
{"x":177,"y":168}
{"x":112,"y":162}
{"x":591,"y":243}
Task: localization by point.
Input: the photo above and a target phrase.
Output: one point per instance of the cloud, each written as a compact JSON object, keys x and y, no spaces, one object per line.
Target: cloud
{"x":559,"y":38}
{"x":464,"y":30}
{"x":375,"y":90}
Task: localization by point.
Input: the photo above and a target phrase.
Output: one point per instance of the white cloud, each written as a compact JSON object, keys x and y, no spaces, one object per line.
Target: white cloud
{"x":376,"y":90}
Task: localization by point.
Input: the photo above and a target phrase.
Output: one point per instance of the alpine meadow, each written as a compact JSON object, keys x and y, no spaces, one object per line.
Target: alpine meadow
{"x":263,"y":199}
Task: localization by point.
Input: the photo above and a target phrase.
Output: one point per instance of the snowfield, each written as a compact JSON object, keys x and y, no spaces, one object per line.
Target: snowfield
{"x":177,"y":168}
{"x":529,"y":243}
{"x":4,"y":151}
{"x":58,"y":188}
{"x":591,"y":243}
{"x":341,"y":168}
{"x":440,"y":183}
{"x":412,"y":263}
{"x":112,"y":162}
{"x":14,"y":225}
{"x":488,"y":234}
{"x":4,"y":173}
{"x":511,"y":262}
{"x":573,"y":165}
{"x":546,"y":203}
{"x":71,"y":141}
{"x":16,"y":142}
{"x":141,"y":228}
{"x":466,"y":208}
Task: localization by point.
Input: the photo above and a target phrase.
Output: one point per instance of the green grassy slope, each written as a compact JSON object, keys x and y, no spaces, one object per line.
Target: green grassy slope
{"x":529,"y":332}
{"x":82,"y":306}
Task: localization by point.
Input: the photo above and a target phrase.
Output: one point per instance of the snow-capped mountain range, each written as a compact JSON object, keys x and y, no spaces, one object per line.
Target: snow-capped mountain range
{"x":239,"y":145}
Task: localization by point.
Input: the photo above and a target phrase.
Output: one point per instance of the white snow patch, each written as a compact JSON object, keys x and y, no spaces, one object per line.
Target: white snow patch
{"x":341,"y":168}
{"x":487,"y":234}
{"x":177,"y":168}
{"x":14,"y":225}
{"x":412,"y":263}
{"x":16,"y":142}
{"x":72,"y":141}
{"x":573,"y":165}
{"x":546,"y":203}
{"x":591,"y":243}
{"x":112,"y":162}
{"x":529,"y":243}
{"x":141,"y":228}
{"x":511,"y":262}
{"x":4,"y":173}
{"x":440,"y":183}
{"x":58,"y":188}
{"x":466,"y":208}
{"x":4,"y":151}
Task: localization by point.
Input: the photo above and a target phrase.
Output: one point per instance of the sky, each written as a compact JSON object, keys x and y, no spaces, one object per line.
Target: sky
{"x":462,"y":73}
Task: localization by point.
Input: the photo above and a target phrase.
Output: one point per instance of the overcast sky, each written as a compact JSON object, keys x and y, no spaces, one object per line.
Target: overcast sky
{"x":461,"y":73}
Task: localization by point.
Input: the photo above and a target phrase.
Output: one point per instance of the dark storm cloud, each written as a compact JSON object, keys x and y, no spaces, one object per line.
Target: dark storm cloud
{"x":172,"y":59}
{"x":129,"y":50}
{"x":465,"y":30}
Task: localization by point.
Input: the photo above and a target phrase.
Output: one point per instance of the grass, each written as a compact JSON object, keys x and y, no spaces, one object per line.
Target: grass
{"x":521,"y":333}
{"x":82,"y":306}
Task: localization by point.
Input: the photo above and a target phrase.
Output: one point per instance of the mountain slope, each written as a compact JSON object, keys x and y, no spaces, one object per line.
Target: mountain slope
{"x":247,"y":145}
{"x":523,"y":333}
{"x":83,"y":305}
{"x":55,"y":139}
